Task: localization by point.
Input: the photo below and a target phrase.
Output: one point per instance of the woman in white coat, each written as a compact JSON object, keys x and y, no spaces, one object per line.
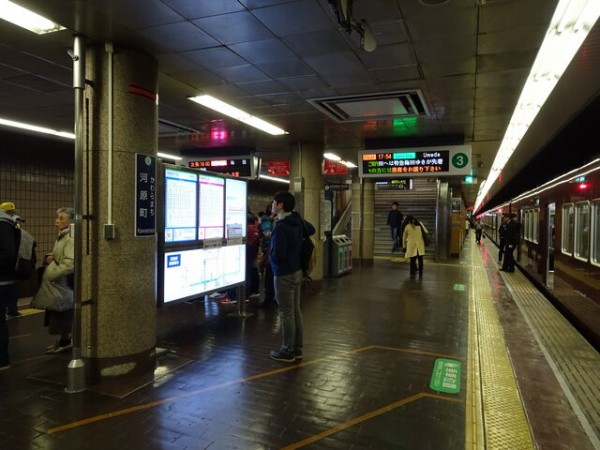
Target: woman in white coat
{"x":412,"y":239}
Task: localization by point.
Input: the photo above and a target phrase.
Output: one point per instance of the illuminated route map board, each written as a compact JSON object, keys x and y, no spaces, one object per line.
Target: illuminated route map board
{"x":411,"y":162}
{"x":181,"y":188}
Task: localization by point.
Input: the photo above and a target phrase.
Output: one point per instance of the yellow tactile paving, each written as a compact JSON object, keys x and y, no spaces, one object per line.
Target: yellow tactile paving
{"x":495,"y":415}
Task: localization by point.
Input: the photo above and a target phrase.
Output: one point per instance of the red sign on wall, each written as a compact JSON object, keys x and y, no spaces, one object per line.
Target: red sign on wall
{"x":334,"y":168}
{"x":278,"y":167}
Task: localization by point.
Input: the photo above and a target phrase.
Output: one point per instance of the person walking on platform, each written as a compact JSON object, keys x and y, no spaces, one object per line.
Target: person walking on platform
{"x":9,"y":251}
{"x":478,"y":230}
{"x":284,"y":254}
{"x":512,"y":235}
{"x":502,"y":237}
{"x":414,"y":244}
{"x":394,"y":220}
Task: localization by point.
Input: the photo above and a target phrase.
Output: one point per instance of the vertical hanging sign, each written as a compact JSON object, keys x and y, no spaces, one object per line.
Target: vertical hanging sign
{"x":145,"y":195}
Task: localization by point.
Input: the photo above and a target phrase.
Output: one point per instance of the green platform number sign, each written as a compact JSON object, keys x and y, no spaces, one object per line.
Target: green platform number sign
{"x":460,"y":160}
{"x":446,"y":376}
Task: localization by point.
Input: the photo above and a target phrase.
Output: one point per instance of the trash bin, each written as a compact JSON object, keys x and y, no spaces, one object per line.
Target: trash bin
{"x":341,"y":257}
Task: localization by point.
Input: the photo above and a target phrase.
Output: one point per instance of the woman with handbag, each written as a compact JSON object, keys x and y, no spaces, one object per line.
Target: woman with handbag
{"x":413,"y":239}
{"x":55,"y":294}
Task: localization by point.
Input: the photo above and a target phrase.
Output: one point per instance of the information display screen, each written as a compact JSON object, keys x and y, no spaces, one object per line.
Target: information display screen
{"x":181,"y":190}
{"x":412,"y":162}
{"x":211,"y":215}
{"x":189,"y":273}
{"x":234,"y":167}
{"x":236,"y":195}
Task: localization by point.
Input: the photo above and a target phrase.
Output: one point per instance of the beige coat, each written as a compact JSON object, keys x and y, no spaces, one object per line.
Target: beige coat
{"x":412,"y":239}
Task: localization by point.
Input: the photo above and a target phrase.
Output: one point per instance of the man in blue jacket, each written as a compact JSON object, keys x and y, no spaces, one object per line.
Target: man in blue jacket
{"x":284,"y":256}
{"x":9,"y":250}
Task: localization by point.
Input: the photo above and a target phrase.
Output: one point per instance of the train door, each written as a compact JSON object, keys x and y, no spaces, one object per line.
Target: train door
{"x":550,"y":244}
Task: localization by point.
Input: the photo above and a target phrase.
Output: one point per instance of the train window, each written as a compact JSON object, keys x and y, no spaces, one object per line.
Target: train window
{"x":568,"y":229}
{"x":530,"y":225}
{"x":582,"y":230}
{"x":535,"y":225}
{"x":595,"y":255}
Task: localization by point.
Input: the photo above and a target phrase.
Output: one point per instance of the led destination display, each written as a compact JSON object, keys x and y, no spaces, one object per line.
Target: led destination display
{"x":422,"y":161}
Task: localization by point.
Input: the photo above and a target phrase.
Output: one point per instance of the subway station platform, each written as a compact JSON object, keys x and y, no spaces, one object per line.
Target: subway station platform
{"x":465,"y":357}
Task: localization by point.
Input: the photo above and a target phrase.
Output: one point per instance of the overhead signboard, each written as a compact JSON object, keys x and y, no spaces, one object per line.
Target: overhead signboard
{"x":334,"y":168}
{"x":452,"y":160}
{"x":239,"y":167}
{"x":278,"y":168}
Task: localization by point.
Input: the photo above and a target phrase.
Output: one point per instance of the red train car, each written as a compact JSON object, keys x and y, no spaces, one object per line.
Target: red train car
{"x":560,"y":242}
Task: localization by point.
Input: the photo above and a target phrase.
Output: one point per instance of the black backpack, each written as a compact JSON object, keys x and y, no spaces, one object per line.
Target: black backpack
{"x":27,"y":258}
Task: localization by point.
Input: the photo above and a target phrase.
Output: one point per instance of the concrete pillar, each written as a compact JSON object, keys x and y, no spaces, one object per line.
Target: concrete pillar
{"x":118,"y":326}
{"x":307,"y":186}
{"x":363,"y":221}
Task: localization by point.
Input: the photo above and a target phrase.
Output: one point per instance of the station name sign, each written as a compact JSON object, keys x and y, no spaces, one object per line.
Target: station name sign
{"x":420,"y":161}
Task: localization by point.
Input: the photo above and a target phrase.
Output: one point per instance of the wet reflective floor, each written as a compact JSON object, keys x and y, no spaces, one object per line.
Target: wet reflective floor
{"x":389,"y":363}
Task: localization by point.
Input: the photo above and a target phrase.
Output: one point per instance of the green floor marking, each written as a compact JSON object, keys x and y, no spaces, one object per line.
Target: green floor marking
{"x":458,"y":287}
{"x":446,"y":376}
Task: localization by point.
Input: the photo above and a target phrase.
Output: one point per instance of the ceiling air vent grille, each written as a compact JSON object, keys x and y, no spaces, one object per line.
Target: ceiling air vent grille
{"x":385,"y":105}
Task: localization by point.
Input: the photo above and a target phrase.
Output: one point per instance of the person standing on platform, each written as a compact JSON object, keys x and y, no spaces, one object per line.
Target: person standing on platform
{"x":252,"y":246}
{"x":9,"y":251}
{"x":284,"y":255}
{"x":412,"y":239}
{"x":502,"y":237}
{"x":26,"y":250}
{"x":267,"y":222}
{"x":394,"y":220}
{"x":513,"y":235}
{"x":478,"y":230}
{"x":59,"y":265}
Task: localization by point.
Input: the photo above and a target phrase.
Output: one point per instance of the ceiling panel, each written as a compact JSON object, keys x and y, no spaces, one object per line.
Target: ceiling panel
{"x":468,"y":57}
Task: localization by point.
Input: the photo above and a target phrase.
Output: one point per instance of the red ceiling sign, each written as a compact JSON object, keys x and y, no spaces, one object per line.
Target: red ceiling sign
{"x":278,"y":167}
{"x":334,"y":168}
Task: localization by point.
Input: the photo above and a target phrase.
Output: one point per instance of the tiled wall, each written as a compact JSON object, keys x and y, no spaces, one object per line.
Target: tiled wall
{"x":37,"y":175}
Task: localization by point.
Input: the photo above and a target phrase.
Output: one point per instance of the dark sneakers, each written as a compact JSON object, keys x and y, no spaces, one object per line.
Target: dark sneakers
{"x":285,"y":356}
{"x":282,"y":356}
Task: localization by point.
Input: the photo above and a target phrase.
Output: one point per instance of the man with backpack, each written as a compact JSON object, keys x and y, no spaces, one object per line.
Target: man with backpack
{"x":9,"y":251}
{"x":26,"y":261}
{"x":285,"y":255}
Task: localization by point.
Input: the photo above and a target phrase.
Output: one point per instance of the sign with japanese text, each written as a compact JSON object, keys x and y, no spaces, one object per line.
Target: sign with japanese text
{"x":420,"y":161}
{"x":145,"y":195}
{"x":278,"y":168}
{"x":235,"y":167}
{"x":334,"y":168}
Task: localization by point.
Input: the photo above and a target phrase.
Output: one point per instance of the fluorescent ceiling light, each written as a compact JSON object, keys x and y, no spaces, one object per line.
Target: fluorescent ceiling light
{"x":238,"y":114}
{"x":29,"y":20}
{"x":348,"y":164}
{"x":570,"y":25}
{"x":267,"y":177}
{"x":26,"y":126}
{"x":168,"y":156}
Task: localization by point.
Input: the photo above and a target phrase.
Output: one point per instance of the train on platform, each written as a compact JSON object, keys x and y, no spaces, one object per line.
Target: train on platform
{"x":559,"y":247}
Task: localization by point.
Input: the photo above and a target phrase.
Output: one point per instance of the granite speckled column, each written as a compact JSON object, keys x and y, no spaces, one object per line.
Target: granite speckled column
{"x":306,"y":165}
{"x":119,"y":275}
{"x":363,"y":221}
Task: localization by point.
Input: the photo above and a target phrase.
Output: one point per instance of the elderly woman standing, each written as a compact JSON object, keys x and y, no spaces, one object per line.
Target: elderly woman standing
{"x":59,"y":265}
{"x":414,"y":244}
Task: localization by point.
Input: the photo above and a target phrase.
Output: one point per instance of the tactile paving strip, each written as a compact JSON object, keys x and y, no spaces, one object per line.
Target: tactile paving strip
{"x":501,"y":423}
{"x":576,"y":364}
